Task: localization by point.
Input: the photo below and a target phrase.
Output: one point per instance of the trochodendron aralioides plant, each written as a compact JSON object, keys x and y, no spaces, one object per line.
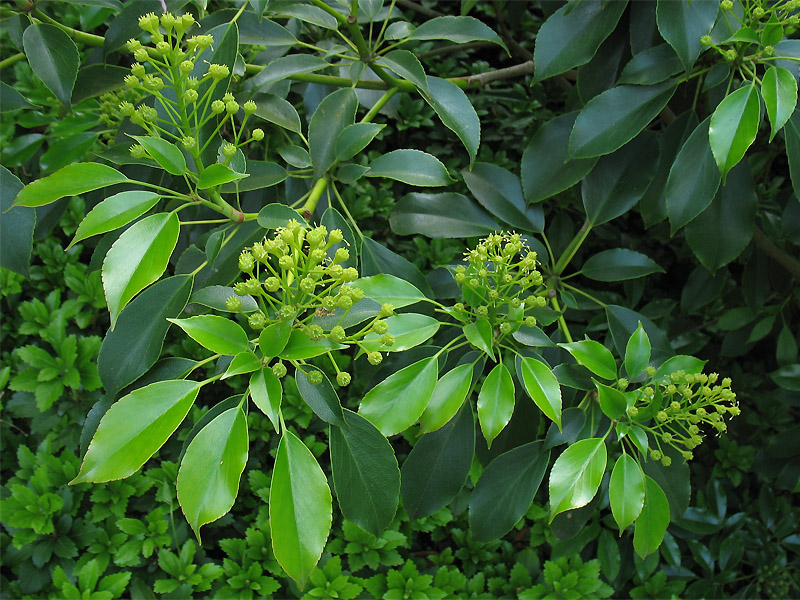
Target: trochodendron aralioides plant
{"x":295,"y":288}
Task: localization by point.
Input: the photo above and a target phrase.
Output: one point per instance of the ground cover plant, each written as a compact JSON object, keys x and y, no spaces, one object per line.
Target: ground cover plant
{"x":249,"y":350}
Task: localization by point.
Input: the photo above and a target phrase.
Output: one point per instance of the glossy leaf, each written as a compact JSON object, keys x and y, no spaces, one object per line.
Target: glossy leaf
{"x":72,"y":180}
{"x":734,"y":126}
{"x":542,"y":386}
{"x":134,"y":345}
{"x":594,"y":356}
{"x":53,"y":57}
{"x":455,"y":111}
{"x":301,"y":347}
{"x":114,"y":212}
{"x":626,"y":491}
{"x":276,"y":110}
{"x":208,"y":478}
{"x":637,"y":352}
{"x":779,"y":90}
{"x":354,"y":138}
{"x":137,"y":259}
{"x":388,"y":289}
{"x":217,"y":174}
{"x":438,"y":465}
{"x":571,"y":36}
{"x":619,"y":264}
{"x":300,"y":508}
{"x":407,"y":65}
{"x":398,"y":401}
{"x":612,"y":401}
{"x":615,"y":117}
{"x":408,"y":329}
{"x":653,"y":520}
{"x":693,"y":179}
{"x":266,"y":392}
{"x":456,"y":29}
{"x":333,"y":114}
{"x":495,"y":402}
{"x":506,"y":489}
{"x":619,"y":180}
{"x":277,"y":215}
{"x":218,"y":334}
{"x":682,"y":23}
{"x":309,"y":14}
{"x":322,"y":398}
{"x":377,"y":259}
{"x":134,"y":428}
{"x":16,"y":225}
{"x":365,"y":473}
{"x":166,"y":154}
{"x":479,"y":334}
{"x":653,"y":65}
{"x":273,"y":338}
{"x":792,"y":136}
{"x":576,"y":475}
{"x":545,"y":169}
{"x":445,"y":215}
{"x":499,"y":191}
{"x":215,"y":296}
{"x":414,"y":167}
{"x":11,"y":99}
{"x":242,"y":363}
{"x":448,"y":396}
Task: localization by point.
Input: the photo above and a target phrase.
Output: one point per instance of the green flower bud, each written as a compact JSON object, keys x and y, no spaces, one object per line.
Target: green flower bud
{"x":163,"y":48}
{"x":344,"y":302}
{"x":200,"y":42}
{"x":314,"y":332}
{"x":137,"y":70}
{"x":530,"y":321}
{"x":167,"y":21}
{"x":482,"y":311}
{"x":279,"y":370}
{"x":240,"y":288}
{"x":233,"y":303}
{"x":343,"y":379}
{"x":253,"y":285}
{"x":272,"y":284}
{"x":380,"y":327}
{"x":388,"y":340}
{"x":726,"y":5}
{"x":190,"y":96}
{"x":667,"y":437}
{"x":218,"y":72}
{"x":337,"y":334}
{"x":131,"y":81}
{"x":387,"y":310}
{"x":286,"y":262}
{"x":137,"y":151}
{"x":706,"y":40}
{"x":286,"y":312}
{"x":342,"y":255}
{"x":460,"y":277}
{"x":232,"y":107}
{"x":349,"y":274}
{"x":133,"y":45}
{"x":633,"y":411}
{"x":666,"y":461}
{"x":126,"y":109}
{"x":257,"y":135}
{"x":328,"y":303}
{"x":374,"y":358}
{"x":730,"y":54}
{"x":148,"y":22}
{"x":187,"y":67}
{"x":249,"y":107}
{"x":229,"y":150}
{"x":307,"y":285}
{"x":701,"y":412}
{"x":505,"y":328}
{"x":650,"y":370}
{"x":662,"y":416}
{"x":246,"y":262}
{"x":335,"y":236}
{"x":675,"y":405}
{"x":622,"y":383}
{"x":656,"y":454}
{"x":257,"y":320}
{"x":335,"y":271}
{"x":192,"y":83}
{"x":186,"y":20}
{"x":515,"y":302}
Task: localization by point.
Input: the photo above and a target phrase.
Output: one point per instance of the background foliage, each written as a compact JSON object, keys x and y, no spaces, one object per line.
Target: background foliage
{"x":648,"y":151}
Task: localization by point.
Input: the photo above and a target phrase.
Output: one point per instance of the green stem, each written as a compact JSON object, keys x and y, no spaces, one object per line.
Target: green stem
{"x":572,"y":248}
{"x":562,"y":323}
{"x":313,"y":198}
{"x":78,"y":36}
{"x":226,"y":209}
{"x":379,"y":105}
{"x":11,"y":60}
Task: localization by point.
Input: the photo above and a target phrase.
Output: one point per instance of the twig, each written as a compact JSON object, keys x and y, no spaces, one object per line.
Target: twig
{"x":489,"y":76}
{"x":771,"y":250}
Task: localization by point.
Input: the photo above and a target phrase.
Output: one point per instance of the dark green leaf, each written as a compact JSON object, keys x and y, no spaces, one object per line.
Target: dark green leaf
{"x":333,"y":114}
{"x":217,"y":174}
{"x":16,"y":225}
{"x":682,"y":23}
{"x":274,"y":337}
{"x":365,"y":473}
{"x":215,"y":296}
{"x":354,"y":138}
{"x":388,"y":289}
{"x":612,"y":401}
{"x":456,"y":112}
{"x":377,"y":259}
{"x":277,"y":215}
{"x":442,"y":215}
{"x":266,"y":392}
{"x":654,"y":65}
{"x":407,"y":65}
{"x":499,"y":191}
{"x":594,"y":356}
{"x":308,"y":14}
{"x":53,"y":57}
{"x":11,"y":99}
{"x":414,"y":167}
{"x":542,"y":386}
{"x":637,"y":352}
{"x":734,"y":126}
{"x":321,"y":397}
{"x":283,"y":67}
{"x":218,"y":334}
{"x":619,"y":264}
{"x":449,"y":394}
{"x":95,"y":80}
{"x":456,"y":29}
{"x":262,"y":174}
{"x":276,"y":110}
{"x":242,"y":363}
{"x":301,"y":347}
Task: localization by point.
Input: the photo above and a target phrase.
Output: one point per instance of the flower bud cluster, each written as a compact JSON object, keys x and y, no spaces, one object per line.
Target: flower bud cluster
{"x":683,"y":404}
{"x":499,"y":282}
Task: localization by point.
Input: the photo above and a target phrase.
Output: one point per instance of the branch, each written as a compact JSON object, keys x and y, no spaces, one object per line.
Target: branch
{"x":471,"y":81}
{"x":774,"y":252}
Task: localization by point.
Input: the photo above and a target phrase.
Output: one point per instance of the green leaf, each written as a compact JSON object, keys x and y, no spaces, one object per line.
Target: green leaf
{"x":479,"y":334}
{"x":276,"y":110}
{"x":321,"y":397}
{"x":637,"y":352}
{"x":365,"y":473}
{"x":134,"y":428}
{"x":97,"y":79}
{"x":445,"y":215}
{"x":505,"y":490}
{"x":266,"y":392}
{"x":334,"y":113}
{"x":333,"y":219}
{"x":456,"y":112}
{"x":651,"y":66}
{"x":277,"y":215}
{"x":11,"y":99}
{"x":725,"y":228}
{"x":377,"y":259}
{"x":301,"y":347}
{"x":693,"y":179}
{"x":619,"y":180}
{"x":612,"y":401}
{"x":681,"y":362}
{"x":16,"y":225}
{"x":734,"y":126}
{"x":215,"y":296}
{"x":615,"y":117}
{"x":545,"y":169}
{"x":114,"y":212}
{"x":408,"y":329}
{"x":208,"y":478}
{"x":242,"y":363}
{"x":594,"y":356}
{"x":218,"y":334}
{"x":134,"y":345}
{"x":542,"y":386}
{"x":388,"y":289}
{"x":626,"y":491}
{"x":414,"y":167}
{"x":300,"y":508}
{"x":495,"y":402}
{"x":779,"y":90}
{"x":137,"y":259}
{"x":619,"y":264}
{"x":571,"y":36}
{"x":407,"y":65}
{"x":682,"y":23}
{"x":499,"y":191}
{"x":53,"y":57}
{"x":354,"y":138}
{"x":576,"y":475}
{"x":438,"y":465}
{"x":274,"y":337}
{"x":449,"y":394}
{"x":72,"y":180}
{"x":456,"y":29}
{"x":792,"y":136}
{"x":217,"y":174}
{"x":308,"y":14}
{"x":398,"y":401}
{"x":653,"y":521}
{"x":166,"y":154}
{"x":284,"y":67}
